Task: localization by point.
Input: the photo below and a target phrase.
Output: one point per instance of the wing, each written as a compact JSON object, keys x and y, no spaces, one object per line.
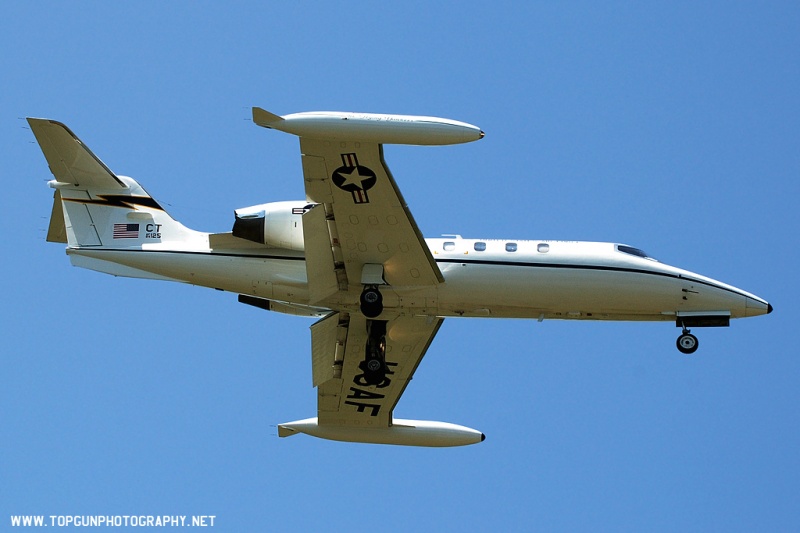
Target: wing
{"x":369,"y":219}
{"x":361,"y":233}
{"x":339,"y":343}
{"x":364,"y":220}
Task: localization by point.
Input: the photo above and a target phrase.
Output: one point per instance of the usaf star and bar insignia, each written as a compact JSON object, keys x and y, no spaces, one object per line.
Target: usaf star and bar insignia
{"x":354,"y":178}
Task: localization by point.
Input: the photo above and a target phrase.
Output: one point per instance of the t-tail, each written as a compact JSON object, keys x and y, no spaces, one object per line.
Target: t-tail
{"x":95,"y":209}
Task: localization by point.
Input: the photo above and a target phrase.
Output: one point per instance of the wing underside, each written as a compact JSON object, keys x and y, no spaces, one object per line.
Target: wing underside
{"x":371,"y":219}
{"x":361,"y":219}
{"x":340,"y":343}
{"x":361,"y":236}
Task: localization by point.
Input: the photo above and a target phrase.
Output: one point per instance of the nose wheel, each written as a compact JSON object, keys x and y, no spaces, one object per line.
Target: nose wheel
{"x":687,"y":343}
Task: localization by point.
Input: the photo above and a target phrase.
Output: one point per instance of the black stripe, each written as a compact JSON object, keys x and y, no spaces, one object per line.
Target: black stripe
{"x":188,"y":252}
{"x":119,"y":200}
{"x":458,"y":261}
{"x":594,"y":267}
{"x":557,"y":265}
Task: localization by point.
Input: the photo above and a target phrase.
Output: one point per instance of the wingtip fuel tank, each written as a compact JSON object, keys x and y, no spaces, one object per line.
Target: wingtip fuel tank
{"x":401,"y":432}
{"x":369,"y":127}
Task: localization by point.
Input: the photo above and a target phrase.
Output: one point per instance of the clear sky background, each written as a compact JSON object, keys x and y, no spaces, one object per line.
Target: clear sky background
{"x":672,"y":128}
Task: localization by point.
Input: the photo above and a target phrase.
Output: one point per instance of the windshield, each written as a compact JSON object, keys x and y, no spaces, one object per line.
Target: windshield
{"x":630,"y":250}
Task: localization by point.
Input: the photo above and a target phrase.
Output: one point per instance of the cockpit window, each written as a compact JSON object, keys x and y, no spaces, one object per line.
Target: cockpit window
{"x":632,"y":251}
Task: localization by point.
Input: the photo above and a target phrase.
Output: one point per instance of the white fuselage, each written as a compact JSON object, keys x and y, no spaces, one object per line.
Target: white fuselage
{"x":483,"y":278}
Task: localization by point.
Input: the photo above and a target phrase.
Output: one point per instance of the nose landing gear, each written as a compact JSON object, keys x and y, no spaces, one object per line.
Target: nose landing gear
{"x":687,"y":343}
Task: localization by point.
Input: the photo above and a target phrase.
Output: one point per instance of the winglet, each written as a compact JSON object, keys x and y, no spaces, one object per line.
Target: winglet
{"x":264,"y":118}
{"x":284,"y":431}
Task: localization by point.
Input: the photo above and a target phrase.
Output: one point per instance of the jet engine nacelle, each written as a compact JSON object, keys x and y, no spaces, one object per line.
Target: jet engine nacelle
{"x":276,"y":224}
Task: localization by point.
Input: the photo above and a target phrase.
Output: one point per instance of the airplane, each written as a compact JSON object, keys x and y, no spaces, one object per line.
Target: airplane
{"x":351,"y":255}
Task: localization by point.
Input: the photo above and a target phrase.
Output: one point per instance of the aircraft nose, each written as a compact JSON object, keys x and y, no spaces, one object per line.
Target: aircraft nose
{"x":757,"y":307}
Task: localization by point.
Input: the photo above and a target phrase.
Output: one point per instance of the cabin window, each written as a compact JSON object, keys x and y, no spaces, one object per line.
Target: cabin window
{"x":543,"y":247}
{"x":511,"y":247}
{"x":449,"y":246}
{"x":480,"y":247}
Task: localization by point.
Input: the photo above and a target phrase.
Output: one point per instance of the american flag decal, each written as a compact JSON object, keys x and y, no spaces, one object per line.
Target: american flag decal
{"x":354,"y":178}
{"x":126,"y":231}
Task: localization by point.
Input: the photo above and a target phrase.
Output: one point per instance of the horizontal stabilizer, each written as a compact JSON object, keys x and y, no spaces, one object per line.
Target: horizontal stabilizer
{"x":69,"y":159}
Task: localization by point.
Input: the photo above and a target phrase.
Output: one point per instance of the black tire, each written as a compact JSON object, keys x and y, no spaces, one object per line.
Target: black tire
{"x":687,"y":343}
{"x":371,"y":296}
{"x":373,"y":371}
{"x":371,"y":302}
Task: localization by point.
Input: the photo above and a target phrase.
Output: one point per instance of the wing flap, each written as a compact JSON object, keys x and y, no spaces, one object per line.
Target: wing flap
{"x":328,"y":338}
{"x":315,"y":175}
{"x":320,"y":265}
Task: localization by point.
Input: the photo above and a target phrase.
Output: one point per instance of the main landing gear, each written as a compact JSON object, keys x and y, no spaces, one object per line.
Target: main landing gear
{"x":687,"y":343}
{"x":371,"y":301}
{"x":373,"y":366}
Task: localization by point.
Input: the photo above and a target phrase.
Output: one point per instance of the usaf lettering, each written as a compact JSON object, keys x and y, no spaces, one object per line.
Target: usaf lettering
{"x":360,"y":394}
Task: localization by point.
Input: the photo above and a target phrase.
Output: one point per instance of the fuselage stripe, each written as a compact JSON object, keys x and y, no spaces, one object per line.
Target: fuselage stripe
{"x":485,"y":262}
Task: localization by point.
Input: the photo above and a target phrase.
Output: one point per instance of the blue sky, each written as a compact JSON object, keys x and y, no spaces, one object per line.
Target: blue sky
{"x":672,"y":128}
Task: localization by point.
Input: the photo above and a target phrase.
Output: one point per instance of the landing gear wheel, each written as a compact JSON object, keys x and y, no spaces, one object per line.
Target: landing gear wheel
{"x":371,"y":302}
{"x":373,"y":371}
{"x":374,"y":364}
{"x":687,"y":343}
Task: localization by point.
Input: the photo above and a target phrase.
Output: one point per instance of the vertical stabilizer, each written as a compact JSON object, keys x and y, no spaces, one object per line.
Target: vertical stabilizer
{"x":95,"y":208}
